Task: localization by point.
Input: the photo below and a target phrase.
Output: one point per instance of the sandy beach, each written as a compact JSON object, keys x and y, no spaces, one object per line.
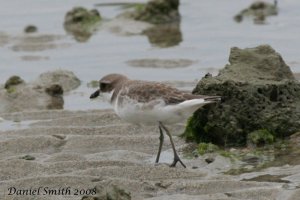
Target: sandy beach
{"x":86,"y":150}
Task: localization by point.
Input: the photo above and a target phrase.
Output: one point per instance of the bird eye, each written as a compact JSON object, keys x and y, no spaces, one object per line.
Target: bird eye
{"x":103,"y":86}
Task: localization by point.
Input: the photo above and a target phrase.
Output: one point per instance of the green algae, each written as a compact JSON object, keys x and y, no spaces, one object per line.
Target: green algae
{"x":81,"y":23}
{"x":158,"y":11}
{"x":204,"y":148}
{"x":260,"y":137}
{"x":13,"y":81}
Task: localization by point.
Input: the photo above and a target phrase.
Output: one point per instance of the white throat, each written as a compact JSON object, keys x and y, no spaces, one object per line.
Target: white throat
{"x":106,"y":96}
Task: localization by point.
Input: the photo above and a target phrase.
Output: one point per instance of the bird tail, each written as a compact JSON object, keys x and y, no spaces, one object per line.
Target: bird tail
{"x":186,"y":108}
{"x":212,"y":99}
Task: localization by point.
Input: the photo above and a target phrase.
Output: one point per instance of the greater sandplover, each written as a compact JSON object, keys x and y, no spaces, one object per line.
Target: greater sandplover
{"x":150,"y":103}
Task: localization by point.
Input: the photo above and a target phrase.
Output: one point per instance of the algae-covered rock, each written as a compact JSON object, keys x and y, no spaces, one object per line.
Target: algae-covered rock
{"x":54,"y":90}
{"x":116,"y":193}
{"x":260,"y":137}
{"x":158,"y":11}
{"x":259,"y":92}
{"x":12,"y":81}
{"x":109,"y":192}
{"x":81,"y":23}
{"x":259,"y":10}
{"x":204,"y":148}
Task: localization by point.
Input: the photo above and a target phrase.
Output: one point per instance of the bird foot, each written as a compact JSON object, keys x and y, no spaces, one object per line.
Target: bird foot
{"x":177,"y":159}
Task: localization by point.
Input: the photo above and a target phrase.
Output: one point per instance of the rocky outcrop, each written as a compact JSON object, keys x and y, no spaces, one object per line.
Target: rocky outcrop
{"x":67,"y":79}
{"x":159,"y":20}
{"x":81,"y":23}
{"x":158,"y":11}
{"x":13,"y":81}
{"x":259,"y":93}
{"x":44,"y":93}
{"x":259,"y":10}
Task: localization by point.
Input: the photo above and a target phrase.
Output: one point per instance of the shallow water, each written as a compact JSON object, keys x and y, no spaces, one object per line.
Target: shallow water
{"x":207,"y":29}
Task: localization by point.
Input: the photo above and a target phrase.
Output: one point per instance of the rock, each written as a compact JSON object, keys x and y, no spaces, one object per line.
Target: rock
{"x":259,"y":92}
{"x":28,"y":157}
{"x":109,"y":192}
{"x":54,"y":90}
{"x":159,"y":20}
{"x":259,"y":10}
{"x":81,"y":23}
{"x":116,"y":193}
{"x":295,"y":139}
{"x":66,"y":79}
{"x":30,"y":29}
{"x":13,"y":81}
{"x":44,"y":93}
{"x":209,"y":160}
{"x":158,"y":12}
{"x":260,"y":137}
{"x":61,"y":137}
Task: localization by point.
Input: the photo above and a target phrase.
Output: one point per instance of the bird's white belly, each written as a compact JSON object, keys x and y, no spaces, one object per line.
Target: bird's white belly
{"x":148,"y":113}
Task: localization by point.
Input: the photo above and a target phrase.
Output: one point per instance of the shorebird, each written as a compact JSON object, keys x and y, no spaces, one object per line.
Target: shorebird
{"x":150,"y":103}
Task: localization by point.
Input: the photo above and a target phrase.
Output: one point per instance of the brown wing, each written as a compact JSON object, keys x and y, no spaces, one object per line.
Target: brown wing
{"x":143,"y":91}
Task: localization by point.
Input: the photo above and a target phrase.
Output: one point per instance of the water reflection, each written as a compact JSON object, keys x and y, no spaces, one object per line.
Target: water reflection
{"x":37,"y":42}
{"x":79,"y":35}
{"x":56,"y":101}
{"x":165,"y":25}
{"x":164,"y":35}
{"x":160,"y":63}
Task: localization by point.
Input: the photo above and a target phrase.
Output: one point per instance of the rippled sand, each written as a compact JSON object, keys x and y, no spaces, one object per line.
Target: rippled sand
{"x":87,"y":149}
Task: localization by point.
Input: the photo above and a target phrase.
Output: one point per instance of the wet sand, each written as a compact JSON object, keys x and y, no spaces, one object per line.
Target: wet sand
{"x":87,"y":149}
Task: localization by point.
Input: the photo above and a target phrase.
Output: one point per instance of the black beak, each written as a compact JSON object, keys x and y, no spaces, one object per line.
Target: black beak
{"x":95,"y":94}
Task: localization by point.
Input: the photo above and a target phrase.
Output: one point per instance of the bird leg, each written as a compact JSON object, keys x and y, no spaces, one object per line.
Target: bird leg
{"x":161,"y":140}
{"x":176,"y":157}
